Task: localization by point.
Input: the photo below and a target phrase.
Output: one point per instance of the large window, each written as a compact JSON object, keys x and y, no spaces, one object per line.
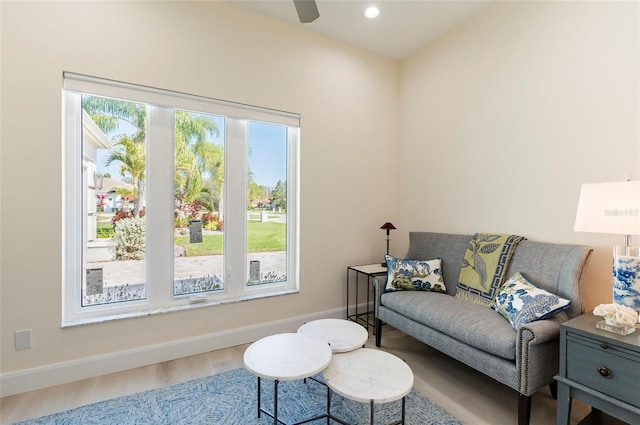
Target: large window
{"x":173,"y":200}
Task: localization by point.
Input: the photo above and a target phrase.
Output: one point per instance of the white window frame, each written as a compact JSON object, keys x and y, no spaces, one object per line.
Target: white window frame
{"x":160,"y":200}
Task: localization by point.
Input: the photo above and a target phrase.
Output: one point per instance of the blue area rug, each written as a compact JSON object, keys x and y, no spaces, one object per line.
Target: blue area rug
{"x":229,"y":398}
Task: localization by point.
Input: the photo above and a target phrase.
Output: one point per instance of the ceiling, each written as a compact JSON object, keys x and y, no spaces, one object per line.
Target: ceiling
{"x":403,"y":26}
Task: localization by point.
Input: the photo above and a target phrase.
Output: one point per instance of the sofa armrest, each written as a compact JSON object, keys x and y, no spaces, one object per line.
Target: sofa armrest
{"x":537,"y":353}
{"x":379,"y":286}
{"x":541,"y":331}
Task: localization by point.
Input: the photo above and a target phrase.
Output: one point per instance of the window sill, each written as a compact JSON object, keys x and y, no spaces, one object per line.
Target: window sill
{"x":183,"y":307}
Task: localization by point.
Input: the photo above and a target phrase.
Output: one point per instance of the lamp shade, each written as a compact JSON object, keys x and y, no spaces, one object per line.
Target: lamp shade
{"x":609,"y":208}
{"x":388,"y":226}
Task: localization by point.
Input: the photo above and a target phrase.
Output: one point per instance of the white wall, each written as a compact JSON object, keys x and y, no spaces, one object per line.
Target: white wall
{"x":347,"y":99}
{"x":503,"y":118}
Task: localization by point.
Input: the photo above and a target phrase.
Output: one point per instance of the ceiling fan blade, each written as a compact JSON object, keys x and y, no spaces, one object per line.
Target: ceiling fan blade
{"x":307,"y":10}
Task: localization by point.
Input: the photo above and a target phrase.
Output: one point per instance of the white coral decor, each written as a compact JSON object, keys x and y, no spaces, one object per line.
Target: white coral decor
{"x":616,"y":314}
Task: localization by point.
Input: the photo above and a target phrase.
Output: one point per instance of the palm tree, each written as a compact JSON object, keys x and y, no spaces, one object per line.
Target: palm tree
{"x":187,"y":179}
{"x":194,"y":155}
{"x":107,"y":114}
{"x":254,"y":190}
{"x":132,"y":156}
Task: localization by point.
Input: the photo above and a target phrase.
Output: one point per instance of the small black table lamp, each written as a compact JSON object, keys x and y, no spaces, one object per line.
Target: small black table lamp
{"x":387,"y":226}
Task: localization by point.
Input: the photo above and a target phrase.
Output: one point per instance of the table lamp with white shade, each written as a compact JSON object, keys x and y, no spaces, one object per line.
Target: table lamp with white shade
{"x":615,"y":208}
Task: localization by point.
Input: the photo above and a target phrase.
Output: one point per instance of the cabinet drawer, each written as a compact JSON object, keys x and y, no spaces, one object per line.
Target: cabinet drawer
{"x":607,"y":368}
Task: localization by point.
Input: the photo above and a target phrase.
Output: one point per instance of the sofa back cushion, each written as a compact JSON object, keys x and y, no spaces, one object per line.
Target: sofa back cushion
{"x":451,"y":248}
{"x":554,"y":267}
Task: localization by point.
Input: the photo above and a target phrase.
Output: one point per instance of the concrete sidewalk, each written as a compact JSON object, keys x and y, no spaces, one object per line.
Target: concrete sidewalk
{"x":132,"y":272}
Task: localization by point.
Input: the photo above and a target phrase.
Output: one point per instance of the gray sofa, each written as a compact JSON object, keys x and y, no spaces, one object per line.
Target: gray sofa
{"x":525,"y":360}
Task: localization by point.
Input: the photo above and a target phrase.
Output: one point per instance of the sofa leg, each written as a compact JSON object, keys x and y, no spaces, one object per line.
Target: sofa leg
{"x":524,"y":409}
{"x":553,"y":387}
{"x":378,"y":332}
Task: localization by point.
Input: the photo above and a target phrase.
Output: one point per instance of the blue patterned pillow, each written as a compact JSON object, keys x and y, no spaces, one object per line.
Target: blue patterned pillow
{"x":414,"y":275}
{"x":521,"y":302}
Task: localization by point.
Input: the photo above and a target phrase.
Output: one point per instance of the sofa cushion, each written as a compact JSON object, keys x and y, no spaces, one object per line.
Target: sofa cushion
{"x":414,"y":275}
{"x":470,"y":323}
{"x":451,"y":248}
{"x":522,"y":302}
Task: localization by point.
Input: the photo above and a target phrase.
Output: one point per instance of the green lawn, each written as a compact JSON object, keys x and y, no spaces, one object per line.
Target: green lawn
{"x":262,"y":237}
{"x":104,"y":225}
{"x":104,"y":229}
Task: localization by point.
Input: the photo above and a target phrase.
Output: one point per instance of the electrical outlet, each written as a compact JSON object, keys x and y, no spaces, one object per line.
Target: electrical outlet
{"x":23,"y":339}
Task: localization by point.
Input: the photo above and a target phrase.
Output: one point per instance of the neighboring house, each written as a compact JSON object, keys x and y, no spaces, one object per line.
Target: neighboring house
{"x":261,"y":203}
{"x":109,"y":199}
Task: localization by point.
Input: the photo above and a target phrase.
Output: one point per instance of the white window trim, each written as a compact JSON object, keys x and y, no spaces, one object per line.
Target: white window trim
{"x":159,"y":244}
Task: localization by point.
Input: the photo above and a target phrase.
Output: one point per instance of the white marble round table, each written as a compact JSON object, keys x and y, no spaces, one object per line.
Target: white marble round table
{"x":341,"y":335}
{"x":285,"y":357}
{"x":369,"y":376}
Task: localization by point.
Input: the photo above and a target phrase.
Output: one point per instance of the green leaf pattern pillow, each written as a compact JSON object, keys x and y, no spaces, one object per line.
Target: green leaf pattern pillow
{"x":414,"y":275}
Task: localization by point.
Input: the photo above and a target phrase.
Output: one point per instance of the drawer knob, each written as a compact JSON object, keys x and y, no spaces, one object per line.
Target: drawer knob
{"x":603,"y":371}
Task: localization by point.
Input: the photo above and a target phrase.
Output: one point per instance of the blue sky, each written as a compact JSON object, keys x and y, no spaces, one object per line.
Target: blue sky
{"x":267,"y":158}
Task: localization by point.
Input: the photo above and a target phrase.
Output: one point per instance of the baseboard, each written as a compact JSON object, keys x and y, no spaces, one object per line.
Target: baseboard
{"x":61,"y":373}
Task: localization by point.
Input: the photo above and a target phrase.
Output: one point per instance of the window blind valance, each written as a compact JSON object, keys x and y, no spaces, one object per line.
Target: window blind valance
{"x":167,"y":98}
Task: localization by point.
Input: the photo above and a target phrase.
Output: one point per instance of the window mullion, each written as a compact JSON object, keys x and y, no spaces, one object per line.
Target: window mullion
{"x":235,"y":225}
{"x":72,"y":278}
{"x":160,"y":133}
{"x":293,"y":206}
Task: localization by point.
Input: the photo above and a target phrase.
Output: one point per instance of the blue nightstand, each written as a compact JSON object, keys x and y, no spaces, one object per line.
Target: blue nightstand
{"x":600,"y":368}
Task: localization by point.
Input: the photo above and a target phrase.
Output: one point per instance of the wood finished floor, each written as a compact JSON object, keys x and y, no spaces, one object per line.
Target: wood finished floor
{"x":470,"y":396}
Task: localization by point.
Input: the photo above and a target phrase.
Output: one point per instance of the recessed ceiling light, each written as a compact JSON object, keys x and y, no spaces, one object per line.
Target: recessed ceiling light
{"x":371,"y":12}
